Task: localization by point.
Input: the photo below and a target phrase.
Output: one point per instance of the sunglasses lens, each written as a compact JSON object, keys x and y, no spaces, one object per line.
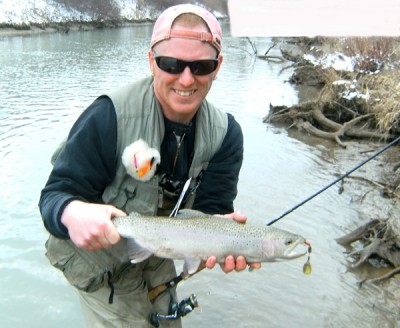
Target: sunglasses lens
{"x":169,"y":65}
{"x":203,"y":67}
{"x":176,"y":66}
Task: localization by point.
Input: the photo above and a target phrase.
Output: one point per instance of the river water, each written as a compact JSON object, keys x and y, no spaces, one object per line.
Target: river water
{"x":45,"y":83}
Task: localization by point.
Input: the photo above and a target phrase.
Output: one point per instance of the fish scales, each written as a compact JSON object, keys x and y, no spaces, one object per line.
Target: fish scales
{"x":194,"y":236}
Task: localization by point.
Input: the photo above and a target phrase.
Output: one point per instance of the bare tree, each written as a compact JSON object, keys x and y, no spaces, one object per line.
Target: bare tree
{"x":97,"y":9}
{"x":109,"y":9}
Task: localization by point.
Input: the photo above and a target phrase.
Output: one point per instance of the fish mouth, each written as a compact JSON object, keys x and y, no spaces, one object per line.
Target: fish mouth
{"x":296,"y":250}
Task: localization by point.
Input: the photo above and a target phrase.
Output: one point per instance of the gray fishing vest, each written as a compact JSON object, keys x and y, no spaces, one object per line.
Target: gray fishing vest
{"x":138,"y":116}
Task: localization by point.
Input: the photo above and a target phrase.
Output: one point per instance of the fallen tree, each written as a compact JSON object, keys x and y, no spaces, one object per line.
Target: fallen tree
{"x":311,"y":118}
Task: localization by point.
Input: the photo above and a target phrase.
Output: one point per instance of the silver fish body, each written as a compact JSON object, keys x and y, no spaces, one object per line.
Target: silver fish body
{"x":193,"y":236}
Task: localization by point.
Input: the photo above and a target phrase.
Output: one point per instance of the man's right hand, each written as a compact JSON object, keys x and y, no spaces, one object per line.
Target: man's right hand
{"x":90,"y":226}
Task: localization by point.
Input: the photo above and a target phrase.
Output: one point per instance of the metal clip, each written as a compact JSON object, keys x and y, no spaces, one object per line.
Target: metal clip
{"x":178,"y":203}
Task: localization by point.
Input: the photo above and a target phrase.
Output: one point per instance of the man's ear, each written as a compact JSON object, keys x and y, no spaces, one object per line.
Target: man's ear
{"x":151,"y":61}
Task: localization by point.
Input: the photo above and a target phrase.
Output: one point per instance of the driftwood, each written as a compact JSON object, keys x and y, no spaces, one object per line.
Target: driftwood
{"x":266,"y":56}
{"x":311,"y":117}
{"x":379,"y":240}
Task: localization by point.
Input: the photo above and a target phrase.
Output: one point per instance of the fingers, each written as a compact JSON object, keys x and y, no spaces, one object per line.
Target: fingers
{"x":98,"y":236}
{"x":112,"y":236}
{"x":90,"y":226}
{"x":254,"y":266}
{"x":237,"y":216}
{"x":241,"y":263}
{"x":231,"y":264}
{"x":116,"y":212}
{"x":104,"y":238}
{"x":211,"y":262}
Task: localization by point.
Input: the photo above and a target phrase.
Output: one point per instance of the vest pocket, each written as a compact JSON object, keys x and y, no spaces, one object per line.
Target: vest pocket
{"x":87,"y":270}
{"x":85,"y":276}
{"x":136,"y":196}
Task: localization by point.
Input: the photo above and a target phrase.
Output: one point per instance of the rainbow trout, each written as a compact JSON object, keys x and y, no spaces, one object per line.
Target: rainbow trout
{"x":193,"y":236}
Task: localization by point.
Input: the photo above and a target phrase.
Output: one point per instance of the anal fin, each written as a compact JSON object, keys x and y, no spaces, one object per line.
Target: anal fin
{"x":137,"y":253}
{"x":190,"y":266}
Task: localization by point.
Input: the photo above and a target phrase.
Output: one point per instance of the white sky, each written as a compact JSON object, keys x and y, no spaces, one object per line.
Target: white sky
{"x":255,"y":17}
{"x":315,"y":17}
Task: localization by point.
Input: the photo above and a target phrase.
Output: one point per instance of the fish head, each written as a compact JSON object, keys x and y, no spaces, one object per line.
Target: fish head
{"x":284,"y":246}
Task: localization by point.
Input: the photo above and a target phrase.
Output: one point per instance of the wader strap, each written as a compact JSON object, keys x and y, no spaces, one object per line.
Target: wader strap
{"x":111,"y":285}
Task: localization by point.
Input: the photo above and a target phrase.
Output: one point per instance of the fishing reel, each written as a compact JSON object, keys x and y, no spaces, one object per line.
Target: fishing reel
{"x":176,"y":310}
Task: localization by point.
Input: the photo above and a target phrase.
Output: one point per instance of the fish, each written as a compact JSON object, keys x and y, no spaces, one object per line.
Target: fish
{"x":193,"y":236}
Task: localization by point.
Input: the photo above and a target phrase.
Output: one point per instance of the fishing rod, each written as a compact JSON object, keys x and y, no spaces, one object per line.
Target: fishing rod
{"x":335,"y":181}
{"x":187,"y":305}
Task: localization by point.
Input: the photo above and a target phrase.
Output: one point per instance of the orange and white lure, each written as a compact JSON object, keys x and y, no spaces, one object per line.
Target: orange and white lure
{"x":140,"y":160}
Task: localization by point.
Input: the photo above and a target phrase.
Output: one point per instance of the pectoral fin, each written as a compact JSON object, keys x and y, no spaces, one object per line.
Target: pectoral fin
{"x":137,"y":253}
{"x":190,"y":266}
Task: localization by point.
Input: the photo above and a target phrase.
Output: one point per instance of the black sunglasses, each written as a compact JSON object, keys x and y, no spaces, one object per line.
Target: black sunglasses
{"x":176,"y":66}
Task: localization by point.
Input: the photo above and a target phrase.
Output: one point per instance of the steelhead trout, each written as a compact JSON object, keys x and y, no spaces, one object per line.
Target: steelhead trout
{"x":193,"y":236}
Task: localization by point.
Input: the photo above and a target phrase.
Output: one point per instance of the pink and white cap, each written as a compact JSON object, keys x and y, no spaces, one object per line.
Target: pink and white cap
{"x":163,"y":26}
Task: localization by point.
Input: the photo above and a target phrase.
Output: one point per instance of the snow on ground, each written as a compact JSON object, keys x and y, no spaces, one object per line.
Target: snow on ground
{"x":346,"y":89}
{"x":36,"y":11}
{"x":45,"y":11}
{"x":131,"y":11}
{"x":336,"y":60}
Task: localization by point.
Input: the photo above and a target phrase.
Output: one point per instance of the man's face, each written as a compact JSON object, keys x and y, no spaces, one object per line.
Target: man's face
{"x":180,"y":94}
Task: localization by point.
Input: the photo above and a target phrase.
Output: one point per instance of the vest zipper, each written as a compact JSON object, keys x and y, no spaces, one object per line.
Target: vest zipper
{"x":179,"y":141}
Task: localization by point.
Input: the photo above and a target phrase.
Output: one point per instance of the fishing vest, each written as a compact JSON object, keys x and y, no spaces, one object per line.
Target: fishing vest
{"x":139,"y":115}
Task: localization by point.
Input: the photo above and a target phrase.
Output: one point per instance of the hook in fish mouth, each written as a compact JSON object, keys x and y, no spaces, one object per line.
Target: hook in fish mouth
{"x":309,"y":249}
{"x":293,"y":251}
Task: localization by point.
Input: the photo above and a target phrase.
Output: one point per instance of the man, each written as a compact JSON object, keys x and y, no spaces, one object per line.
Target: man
{"x":90,"y":182}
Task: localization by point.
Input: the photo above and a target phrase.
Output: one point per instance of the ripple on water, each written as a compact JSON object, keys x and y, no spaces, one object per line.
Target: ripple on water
{"x":46,"y":83}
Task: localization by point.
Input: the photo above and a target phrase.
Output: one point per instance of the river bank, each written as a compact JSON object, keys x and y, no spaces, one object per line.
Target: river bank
{"x":358,"y":108}
{"x":10,"y":30}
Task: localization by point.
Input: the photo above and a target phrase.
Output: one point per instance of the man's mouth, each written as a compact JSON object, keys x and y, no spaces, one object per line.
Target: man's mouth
{"x":184,"y":93}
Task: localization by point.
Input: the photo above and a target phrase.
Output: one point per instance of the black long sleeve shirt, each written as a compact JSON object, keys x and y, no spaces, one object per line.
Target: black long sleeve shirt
{"x":88,"y":164}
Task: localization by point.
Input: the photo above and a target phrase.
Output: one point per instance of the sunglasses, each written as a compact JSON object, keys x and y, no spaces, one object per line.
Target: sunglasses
{"x":176,"y":66}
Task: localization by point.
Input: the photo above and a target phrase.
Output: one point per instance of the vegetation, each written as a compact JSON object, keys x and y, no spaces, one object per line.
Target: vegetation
{"x":363,"y":103}
{"x":109,"y":9}
{"x":359,"y":103}
{"x":93,"y":14}
{"x":98,"y":10}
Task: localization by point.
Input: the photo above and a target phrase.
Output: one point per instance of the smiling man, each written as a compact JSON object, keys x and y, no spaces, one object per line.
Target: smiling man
{"x":133,"y":150}
{"x":183,"y":67}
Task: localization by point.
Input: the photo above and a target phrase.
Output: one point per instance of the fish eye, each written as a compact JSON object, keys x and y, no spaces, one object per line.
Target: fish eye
{"x":288,"y":242}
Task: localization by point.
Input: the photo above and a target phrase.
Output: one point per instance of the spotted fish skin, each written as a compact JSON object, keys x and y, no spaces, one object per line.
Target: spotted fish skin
{"x":193,"y":236}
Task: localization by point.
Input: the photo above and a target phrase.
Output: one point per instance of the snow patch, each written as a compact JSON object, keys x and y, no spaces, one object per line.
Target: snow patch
{"x":337,"y":61}
{"x":47,"y":11}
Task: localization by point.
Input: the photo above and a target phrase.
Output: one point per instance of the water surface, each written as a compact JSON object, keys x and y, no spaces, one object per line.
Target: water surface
{"x":46,"y":82}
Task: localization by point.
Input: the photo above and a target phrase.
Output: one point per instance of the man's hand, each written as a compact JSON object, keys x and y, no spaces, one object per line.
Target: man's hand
{"x":89,"y":225}
{"x":230,"y":264}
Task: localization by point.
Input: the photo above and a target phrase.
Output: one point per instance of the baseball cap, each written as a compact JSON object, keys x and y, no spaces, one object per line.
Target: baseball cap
{"x":163,"y":26}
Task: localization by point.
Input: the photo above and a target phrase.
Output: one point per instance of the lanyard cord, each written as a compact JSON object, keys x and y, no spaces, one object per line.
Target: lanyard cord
{"x":335,"y":181}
